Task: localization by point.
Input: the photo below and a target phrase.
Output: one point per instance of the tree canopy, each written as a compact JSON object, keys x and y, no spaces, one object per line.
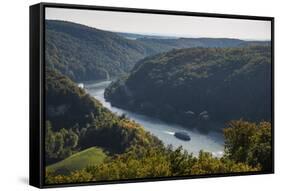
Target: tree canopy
{"x":195,"y":85}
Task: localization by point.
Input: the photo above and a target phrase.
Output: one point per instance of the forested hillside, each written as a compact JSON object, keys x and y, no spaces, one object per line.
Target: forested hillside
{"x":76,"y":121}
{"x":243,"y":154}
{"x":169,"y":44}
{"x":83,"y":53}
{"x":86,"y":142}
{"x":197,"y":85}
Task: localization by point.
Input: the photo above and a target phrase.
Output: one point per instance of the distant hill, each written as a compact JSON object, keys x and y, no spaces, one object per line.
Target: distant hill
{"x":190,"y":86}
{"x":169,"y":44}
{"x":134,"y":36}
{"x":256,"y":43}
{"x":85,"y":53}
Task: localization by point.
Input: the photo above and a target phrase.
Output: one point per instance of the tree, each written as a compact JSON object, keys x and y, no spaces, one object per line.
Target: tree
{"x":260,"y":150}
{"x":71,"y":139}
{"x":49,"y":140}
{"x":59,"y":144}
{"x":181,"y":162}
{"x":207,"y":164}
{"x":249,"y":143}
{"x":76,"y":176}
{"x":238,"y":139}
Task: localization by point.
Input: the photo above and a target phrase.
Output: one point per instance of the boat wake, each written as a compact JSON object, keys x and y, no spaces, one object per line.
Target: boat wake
{"x":169,"y":132}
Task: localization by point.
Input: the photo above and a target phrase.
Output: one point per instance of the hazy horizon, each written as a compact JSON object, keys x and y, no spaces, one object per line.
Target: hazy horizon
{"x":156,"y":25}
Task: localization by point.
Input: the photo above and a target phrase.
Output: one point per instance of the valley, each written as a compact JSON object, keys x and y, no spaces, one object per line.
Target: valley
{"x":114,"y":102}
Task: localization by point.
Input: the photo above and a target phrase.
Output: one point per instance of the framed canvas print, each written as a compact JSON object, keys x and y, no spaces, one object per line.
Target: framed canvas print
{"x":128,"y":95}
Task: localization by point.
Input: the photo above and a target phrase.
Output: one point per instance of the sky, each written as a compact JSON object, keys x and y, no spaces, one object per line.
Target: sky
{"x":165,"y":25}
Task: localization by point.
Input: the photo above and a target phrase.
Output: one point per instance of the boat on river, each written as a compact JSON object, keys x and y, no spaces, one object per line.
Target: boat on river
{"x":162,"y":130}
{"x":182,"y":135}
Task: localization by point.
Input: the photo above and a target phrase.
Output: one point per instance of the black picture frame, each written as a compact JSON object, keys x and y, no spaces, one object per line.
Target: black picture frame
{"x":37,"y":90}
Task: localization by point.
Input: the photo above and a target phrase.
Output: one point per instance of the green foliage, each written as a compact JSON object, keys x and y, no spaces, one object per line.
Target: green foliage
{"x":177,"y":43}
{"x":241,"y":138}
{"x":170,"y":86}
{"x":147,"y":162}
{"x":136,"y":163}
{"x":60,"y":144}
{"x":84,"y":53}
{"x":207,"y":164}
{"x":116,"y":134}
{"x":221,"y":83}
{"x":132,"y":152}
{"x":76,"y":121}
{"x":66,"y":103}
{"x":74,"y":177}
{"x":249,"y":143}
{"x":180,"y":161}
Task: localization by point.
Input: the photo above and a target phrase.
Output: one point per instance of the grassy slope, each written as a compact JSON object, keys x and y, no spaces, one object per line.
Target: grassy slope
{"x":78,"y":161}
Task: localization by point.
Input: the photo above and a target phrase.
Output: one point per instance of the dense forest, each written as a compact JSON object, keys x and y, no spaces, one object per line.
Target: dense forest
{"x":247,"y":148}
{"x":75,"y":121}
{"x":84,"y":53}
{"x":198,"y":85}
{"x":94,"y":144}
{"x":178,"y":43}
{"x":189,"y":81}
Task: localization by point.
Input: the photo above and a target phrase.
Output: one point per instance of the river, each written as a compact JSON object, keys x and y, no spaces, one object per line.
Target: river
{"x":212,"y":142}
